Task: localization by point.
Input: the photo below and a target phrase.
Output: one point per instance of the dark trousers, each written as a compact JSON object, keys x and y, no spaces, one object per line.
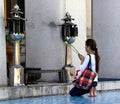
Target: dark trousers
{"x":78,"y":91}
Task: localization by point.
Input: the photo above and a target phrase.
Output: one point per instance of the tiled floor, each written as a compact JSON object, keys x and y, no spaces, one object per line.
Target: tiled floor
{"x":106,"y":97}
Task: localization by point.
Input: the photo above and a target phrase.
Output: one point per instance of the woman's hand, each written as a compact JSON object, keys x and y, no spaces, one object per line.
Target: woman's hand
{"x":81,"y":57}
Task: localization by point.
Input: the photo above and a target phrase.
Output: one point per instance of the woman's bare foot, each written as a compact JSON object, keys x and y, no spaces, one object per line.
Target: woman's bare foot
{"x":95,"y":93}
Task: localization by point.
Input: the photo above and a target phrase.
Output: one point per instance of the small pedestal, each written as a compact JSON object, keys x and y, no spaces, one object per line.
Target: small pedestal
{"x":67,"y":75}
{"x":16,"y":75}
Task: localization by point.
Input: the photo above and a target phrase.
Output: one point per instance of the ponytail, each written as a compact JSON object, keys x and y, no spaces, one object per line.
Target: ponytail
{"x":97,"y":57}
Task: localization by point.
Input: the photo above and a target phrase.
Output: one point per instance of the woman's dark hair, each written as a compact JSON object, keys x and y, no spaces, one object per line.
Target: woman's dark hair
{"x":93,"y":46}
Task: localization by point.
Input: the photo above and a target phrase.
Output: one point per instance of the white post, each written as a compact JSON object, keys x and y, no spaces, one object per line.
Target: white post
{"x":3,"y":69}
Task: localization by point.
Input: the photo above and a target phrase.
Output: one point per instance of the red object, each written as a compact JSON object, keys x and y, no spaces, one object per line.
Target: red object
{"x":87,"y":78}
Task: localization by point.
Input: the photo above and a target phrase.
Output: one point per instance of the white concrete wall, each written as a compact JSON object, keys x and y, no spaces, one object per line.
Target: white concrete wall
{"x":3,"y":69}
{"x":44,"y":46}
{"x":106,"y":30}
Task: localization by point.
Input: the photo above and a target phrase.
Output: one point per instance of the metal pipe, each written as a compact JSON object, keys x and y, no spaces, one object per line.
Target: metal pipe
{"x":17,"y":52}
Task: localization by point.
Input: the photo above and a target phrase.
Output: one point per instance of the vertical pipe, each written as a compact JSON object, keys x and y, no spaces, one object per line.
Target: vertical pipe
{"x":13,"y":26}
{"x":66,"y":54}
{"x":17,"y":52}
{"x":19,"y":27}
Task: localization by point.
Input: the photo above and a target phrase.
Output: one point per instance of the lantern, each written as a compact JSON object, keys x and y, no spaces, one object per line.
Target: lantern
{"x":69,"y":29}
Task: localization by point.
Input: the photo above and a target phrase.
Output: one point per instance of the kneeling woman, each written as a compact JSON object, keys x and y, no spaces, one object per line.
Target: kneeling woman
{"x":92,"y":53}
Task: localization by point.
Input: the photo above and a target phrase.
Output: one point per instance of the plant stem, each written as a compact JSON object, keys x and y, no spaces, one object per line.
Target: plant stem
{"x":74,"y":48}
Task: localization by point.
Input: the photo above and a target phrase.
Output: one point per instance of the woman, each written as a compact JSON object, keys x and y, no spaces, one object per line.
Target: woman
{"x":91,"y":49}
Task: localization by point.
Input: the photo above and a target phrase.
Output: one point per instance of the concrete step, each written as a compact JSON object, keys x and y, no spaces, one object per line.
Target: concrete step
{"x":49,"y":88}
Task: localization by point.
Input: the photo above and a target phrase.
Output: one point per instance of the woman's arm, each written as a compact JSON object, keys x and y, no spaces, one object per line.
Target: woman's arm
{"x":84,"y":63}
{"x":81,"y":57}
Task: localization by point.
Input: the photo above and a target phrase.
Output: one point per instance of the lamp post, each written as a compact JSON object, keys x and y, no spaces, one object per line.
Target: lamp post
{"x":16,"y":70}
{"x":69,"y":33}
